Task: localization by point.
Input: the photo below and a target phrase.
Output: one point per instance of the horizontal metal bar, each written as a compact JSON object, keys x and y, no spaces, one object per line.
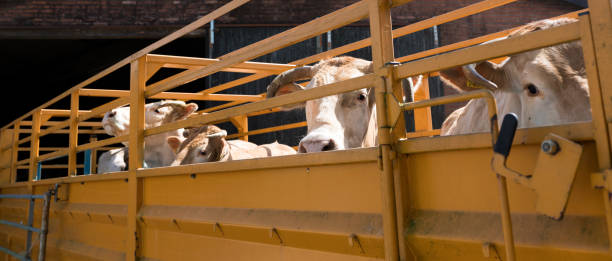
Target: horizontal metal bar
{"x":534,"y":40}
{"x":53,"y":155}
{"x":24,"y":140}
{"x":101,"y":143}
{"x":100,"y":110}
{"x":184,"y":62}
{"x":304,"y":159}
{"x":344,"y":16}
{"x":452,"y":99}
{"x":66,"y":131}
{"x":356,"y":83}
{"x":52,"y":123}
{"x":22,"y":196}
{"x":174,"y":95}
{"x":271,"y":129}
{"x":52,"y":166}
{"x":471,"y":42}
{"x":17,"y":225}
{"x":287,"y":161}
{"x":582,"y":131}
{"x":60,"y":148}
{"x":13,"y":253}
{"x":423,"y":133}
{"x":408,"y":29}
{"x":60,"y":112}
{"x":23,"y":161}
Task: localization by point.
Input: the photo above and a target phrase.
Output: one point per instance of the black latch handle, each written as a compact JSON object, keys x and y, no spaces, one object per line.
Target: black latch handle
{"x":506,"y":134}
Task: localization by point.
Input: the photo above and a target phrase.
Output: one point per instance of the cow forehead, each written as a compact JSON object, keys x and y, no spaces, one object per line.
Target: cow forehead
{"x":197,"y":142}
{"x":329,"y":103}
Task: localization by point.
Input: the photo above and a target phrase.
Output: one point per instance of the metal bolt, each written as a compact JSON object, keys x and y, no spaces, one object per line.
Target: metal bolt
{"x":216,"y":227}
{"x":550,"y":147}
{"x":392,"y":63}
{"x":193,"y":175}
{"x":273,"y":232}
{"x":307,"y":170}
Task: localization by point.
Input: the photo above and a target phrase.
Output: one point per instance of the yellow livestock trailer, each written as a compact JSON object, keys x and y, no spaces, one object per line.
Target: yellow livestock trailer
{"x":416,"y":196}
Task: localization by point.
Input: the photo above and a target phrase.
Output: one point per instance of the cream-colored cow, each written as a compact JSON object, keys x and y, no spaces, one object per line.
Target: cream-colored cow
{"x":208,"y":144}
{"x":156,"y":151}
{"x":543,"y":87}
{"x":341,"y":121}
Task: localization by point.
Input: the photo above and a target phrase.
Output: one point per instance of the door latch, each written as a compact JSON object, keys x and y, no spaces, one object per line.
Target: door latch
{"x":554,"y":172}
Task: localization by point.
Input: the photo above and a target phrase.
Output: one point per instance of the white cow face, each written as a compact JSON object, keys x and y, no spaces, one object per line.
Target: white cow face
{"x":335,"y":122}
{"x":552,"y":85}
{"x":204,"y":144}
{"x":117,"y":121}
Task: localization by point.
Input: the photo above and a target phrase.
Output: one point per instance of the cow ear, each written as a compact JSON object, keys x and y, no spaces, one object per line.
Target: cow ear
{"x":184,"y":112}
{"x":286,"y":89}
{"x":174,"y":142}
{"x":455,"y":78}
{"x":191,"y":108}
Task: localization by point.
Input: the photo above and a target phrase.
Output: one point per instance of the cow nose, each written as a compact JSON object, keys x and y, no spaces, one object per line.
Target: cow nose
{"x":112,"y":114}
{"x":317,"y":145}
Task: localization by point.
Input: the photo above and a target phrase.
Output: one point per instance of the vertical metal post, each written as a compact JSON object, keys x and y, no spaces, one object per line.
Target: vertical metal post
{"x":94,"y":162}
{"x":44,"y":224}
{"x":506,"y":218}
{"x":382,"y":55}
{"x":34,"y":150}
{"x":329,"y":40}
{"x":34,"y":142}
{"x":136,"y":152}
{"x":38,"y":171}
{"x":74,"y":133}
{"x":435,"y":35}
{"x":601,"y":107}
{"x":15,"y":152}
{"x":30,"y":223}
{"x":211,"y":44}
{"x":242,"y":125}
{"x":87,"y":162}
{"x":422,"y":116}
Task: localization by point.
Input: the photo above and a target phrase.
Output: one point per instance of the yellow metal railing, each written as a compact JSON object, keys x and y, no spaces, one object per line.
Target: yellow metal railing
{"x":385,"y":79}
{"x":260,"y":70}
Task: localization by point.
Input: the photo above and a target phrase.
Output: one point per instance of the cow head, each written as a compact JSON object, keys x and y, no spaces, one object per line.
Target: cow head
{"x":550,"y":83}
{"x":204,"y":144}
{"x":341,"y":121}
{"x":117,"y":121}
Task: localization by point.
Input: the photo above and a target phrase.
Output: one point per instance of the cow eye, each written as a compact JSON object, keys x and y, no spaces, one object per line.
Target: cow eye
{"x":532,"y":90}
{"x":157,"y":110}
{"x":204,"y":153}
{"x":361,"y":97}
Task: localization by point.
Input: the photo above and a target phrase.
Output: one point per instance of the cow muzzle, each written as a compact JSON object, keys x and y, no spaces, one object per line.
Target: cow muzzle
{"x":317,"y":145}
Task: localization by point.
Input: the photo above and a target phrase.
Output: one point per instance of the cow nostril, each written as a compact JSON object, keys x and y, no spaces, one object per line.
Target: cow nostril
{"x":331,"y":145}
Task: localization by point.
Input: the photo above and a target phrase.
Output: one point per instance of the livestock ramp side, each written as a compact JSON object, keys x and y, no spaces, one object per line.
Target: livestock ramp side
{"x":417,"y":195}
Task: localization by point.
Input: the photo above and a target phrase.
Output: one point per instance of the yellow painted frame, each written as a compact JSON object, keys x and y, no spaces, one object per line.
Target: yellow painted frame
{"x":388,"y":160}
